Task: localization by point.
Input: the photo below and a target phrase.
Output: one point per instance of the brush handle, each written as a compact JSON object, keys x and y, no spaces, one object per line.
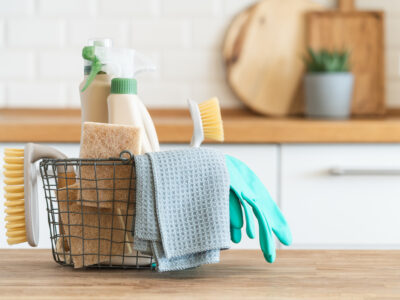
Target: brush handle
{"x":198,"y":134}
{"x":32,"y":153}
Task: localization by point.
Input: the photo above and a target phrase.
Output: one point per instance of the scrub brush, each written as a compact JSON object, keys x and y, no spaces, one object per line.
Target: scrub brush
{"x":207,"y":121}
{"x":22,"y":213}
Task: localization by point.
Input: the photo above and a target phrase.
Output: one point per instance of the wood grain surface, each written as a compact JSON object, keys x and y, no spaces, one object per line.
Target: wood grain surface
{"x":360,"y":32}
{"x":263,"y":52}
{"x":175,"y":126}
{"x":32,"y":274}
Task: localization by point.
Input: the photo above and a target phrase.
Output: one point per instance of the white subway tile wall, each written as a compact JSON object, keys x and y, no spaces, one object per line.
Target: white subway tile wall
{"x":41,"y":41}
{"x":51,"y":8}
{"x":16,"y":7}
{"x":37,"y":94}
{"x":1,"y":33}
{"x":2,"y":95}
{"x":16,"y":64}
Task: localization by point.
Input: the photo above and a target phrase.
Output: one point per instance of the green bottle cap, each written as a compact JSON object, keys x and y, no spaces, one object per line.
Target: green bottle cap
{"x":124,"y":86}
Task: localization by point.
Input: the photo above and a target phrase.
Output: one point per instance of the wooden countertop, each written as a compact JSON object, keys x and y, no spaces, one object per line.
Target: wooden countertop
{"x":240,"y":275}
{"x":175,"y":126}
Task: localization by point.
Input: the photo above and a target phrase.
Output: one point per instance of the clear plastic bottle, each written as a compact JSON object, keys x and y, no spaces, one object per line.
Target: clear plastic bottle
{"x":94,"y":93}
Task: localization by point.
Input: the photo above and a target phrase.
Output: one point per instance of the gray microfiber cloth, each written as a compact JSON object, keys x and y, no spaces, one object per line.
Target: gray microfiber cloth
{"x":182,"y":207}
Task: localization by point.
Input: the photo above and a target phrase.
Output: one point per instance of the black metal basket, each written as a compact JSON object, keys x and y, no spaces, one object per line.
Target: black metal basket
{"x":90,"y":205}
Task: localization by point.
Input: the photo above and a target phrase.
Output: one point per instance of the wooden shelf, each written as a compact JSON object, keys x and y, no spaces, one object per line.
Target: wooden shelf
{"x":175,"y":126}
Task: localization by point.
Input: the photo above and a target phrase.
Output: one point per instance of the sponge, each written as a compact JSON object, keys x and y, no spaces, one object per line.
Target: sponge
{"x":108,"y":185}
{"x":92,"y":235}
{"x":97,"y":209}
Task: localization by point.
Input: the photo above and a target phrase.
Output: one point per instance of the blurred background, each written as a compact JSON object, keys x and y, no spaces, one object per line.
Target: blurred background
{"x":333,"y":170}
{"x":41,"y":42}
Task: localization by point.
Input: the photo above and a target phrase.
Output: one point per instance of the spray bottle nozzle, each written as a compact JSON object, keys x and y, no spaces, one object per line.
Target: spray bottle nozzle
{"x":88,"y":53}
{"x":115,"y":61}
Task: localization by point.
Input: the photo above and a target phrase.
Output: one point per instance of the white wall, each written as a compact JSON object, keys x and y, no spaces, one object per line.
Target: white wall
{"x":41,"y":41}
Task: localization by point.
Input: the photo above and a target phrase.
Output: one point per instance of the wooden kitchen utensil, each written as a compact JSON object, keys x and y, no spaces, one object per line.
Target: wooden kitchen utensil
{"x":263,"y":52}
{"x":361,"y":32}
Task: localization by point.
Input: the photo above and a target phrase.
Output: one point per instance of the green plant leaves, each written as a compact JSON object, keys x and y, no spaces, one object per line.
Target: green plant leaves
{"x":327,"y":61}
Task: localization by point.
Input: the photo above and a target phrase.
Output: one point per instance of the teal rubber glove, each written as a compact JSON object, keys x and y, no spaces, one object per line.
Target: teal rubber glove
{"x":250,"y":226}
{"x":249,"y":188}
{"x":267,"y":242}
{"x":236,"y":218}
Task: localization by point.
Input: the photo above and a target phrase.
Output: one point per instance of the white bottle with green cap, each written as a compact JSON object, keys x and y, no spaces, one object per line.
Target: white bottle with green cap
{"x":95,"y":87}
{"x":124,"y":107}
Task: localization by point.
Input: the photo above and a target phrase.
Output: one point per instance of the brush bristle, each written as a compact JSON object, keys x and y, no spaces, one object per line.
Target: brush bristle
{"x":14,"y":195}
{"x":211,"y":119}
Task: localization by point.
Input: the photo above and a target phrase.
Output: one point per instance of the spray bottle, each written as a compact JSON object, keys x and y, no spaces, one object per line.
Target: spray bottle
{"x":124,"y":106}
{"x":95,"y":87}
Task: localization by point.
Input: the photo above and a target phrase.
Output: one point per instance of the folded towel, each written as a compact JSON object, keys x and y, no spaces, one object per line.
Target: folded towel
{"x":182,"y":207}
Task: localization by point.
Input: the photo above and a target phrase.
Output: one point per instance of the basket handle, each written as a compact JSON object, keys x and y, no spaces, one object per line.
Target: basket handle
{"x":126,"y":156}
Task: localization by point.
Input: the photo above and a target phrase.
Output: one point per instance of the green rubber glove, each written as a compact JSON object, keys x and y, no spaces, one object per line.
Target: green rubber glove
{"x":250,"y":226}
{"x":236,"y":218}
{"x":267,"y":242}
{"x":249,"y":188}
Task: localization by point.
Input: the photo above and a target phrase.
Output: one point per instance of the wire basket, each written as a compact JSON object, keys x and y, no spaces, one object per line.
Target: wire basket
{"x":90,"y":205}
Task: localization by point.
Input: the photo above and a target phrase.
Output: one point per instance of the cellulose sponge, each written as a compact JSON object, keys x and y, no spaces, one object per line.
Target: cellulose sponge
{"x":108,"y":183}
{"x":92,"y":235}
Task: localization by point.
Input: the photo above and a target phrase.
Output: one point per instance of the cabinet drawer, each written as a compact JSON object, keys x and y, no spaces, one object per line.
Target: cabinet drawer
{"x":355,"y":206}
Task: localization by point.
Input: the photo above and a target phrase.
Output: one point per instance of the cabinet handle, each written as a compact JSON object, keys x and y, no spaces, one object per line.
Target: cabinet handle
{"x":341,"y":171}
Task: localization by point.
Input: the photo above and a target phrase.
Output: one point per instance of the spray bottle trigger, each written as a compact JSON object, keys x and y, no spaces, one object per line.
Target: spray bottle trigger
{"x":96,"y":68}
{"x":88,"y":53}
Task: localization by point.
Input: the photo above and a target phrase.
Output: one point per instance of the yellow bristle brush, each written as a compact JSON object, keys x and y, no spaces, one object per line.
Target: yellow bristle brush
{"x":207,"y":121}
{"x":22,"y":213}
{"x":14,"y":195}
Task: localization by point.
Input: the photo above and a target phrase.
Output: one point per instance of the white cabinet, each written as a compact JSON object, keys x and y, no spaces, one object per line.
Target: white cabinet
{"x":263,"y":159}
{"x":341,"y":211}
{"x":329,"y":211}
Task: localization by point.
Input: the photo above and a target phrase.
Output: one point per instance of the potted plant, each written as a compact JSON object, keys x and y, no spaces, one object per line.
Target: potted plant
{"x":328,"y":84}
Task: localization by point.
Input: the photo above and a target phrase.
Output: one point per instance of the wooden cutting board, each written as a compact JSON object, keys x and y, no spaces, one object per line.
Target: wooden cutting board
{"x":362,"y":33}
{"x":263,"y":52}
